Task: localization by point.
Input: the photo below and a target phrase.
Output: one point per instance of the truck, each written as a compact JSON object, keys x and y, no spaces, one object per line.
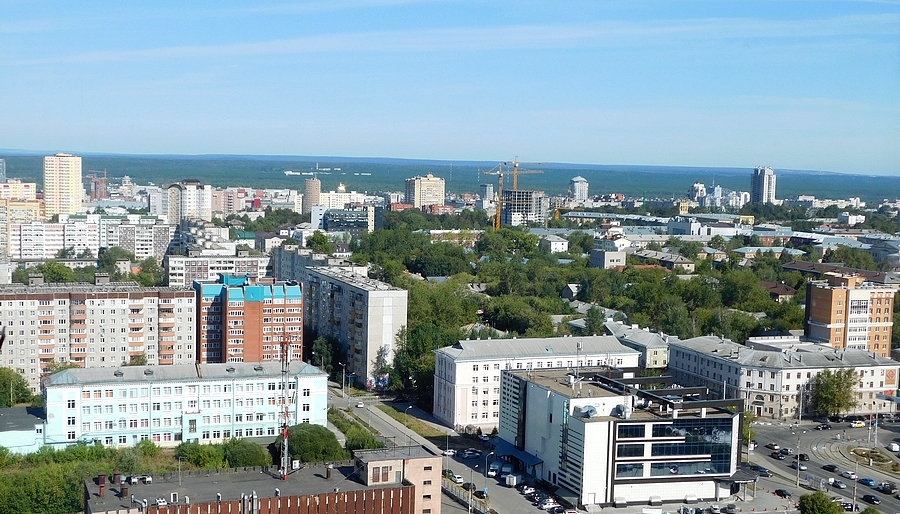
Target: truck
{"x":505,"y":470}
{"x":887,"y":487}
{"x":493,"y":469}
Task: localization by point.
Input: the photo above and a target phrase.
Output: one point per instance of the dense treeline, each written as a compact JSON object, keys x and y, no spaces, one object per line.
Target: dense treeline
{"x":523,"y":282}
{"x":149,"y":274}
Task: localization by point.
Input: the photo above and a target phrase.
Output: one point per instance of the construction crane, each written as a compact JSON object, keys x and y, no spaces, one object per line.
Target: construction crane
{"x":502,"y":169}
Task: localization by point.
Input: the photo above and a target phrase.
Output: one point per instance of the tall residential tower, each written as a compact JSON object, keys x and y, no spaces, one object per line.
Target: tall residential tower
{"x":762,"y":185}
{"x":62,"y":184}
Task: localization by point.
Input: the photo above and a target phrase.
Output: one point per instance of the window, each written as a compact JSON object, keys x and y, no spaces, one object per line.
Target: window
{"x":71,"y":421}
{"x":70,"y":436}
{"x":71,"y":404}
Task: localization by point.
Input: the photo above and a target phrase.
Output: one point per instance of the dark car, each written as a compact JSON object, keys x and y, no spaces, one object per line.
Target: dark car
{"x":803,"y":456}
{"x":783,"y":493}
{"x":830,"y":467}
{"x":480,"y":494}
{"x":778,"y":455}
{"x":871,"y":498}
{"x":847,"y":506}
{"x":823,"y":426}
{"x":836,"y":419}
{"x":763,"y":472}
{"x":469,"y":486}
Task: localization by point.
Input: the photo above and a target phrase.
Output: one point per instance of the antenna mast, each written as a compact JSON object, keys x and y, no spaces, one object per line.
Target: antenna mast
{"x":285,"y":412}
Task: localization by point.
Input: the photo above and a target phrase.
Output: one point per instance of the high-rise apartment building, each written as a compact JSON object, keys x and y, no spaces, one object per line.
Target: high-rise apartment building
{"x":189,"y":200}
{"x":94,"y":325}
{"x":578,"y":189}
{"x":362,"y":314}
{"x":762,"y":185}
{"x":243,"y":320}
{"x":848,"y":312}
{"x":183,"y":270}
{"x":313,"y":188}
{"x":18,"y":190}
{"x":2,"y":170}
{"x":522,"y":206}
{"x":63,"y":191}
{"x":427,"y":190}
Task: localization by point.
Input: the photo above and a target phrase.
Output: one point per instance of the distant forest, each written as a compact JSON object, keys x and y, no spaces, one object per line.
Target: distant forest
{"x":389,"y":174}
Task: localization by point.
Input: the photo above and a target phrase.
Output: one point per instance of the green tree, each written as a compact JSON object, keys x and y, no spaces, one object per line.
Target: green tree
{"x":150,"y":274}
{"x":850,"y":257}
{"x":137,"y":360}
{"x":747,"y":429}
{"x":66,"y":253}
{"x":322,"y":355}
{"x":832,"y":391}
{"x":204,"y":456}
{"x":319,"y":242}
{"x":690,"y":249}
{"x":109,"y":257}
{"x":311,"y":443}
{"x":55,"y":272}
{"x":718,"y":242}
{"x":13,"y":388}
{"x":56,"y":367}
{"x":243,"y":453}
{"x":85,"y":254}
{"x":595,"y":321}
{"x":818,"y":503}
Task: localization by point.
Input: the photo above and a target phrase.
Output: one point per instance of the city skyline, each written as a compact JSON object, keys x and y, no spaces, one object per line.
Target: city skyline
{"x":798,"y":85}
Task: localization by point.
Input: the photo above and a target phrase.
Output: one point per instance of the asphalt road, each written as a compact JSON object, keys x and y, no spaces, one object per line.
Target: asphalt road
{"x":472,"y":470}
{"x":826,"y":447}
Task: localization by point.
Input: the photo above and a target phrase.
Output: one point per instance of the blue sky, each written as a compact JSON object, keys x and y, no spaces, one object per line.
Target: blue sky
{"x":789,"y":84}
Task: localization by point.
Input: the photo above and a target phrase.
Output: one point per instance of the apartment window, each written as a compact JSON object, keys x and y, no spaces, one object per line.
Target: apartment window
{"x":71,"y":421}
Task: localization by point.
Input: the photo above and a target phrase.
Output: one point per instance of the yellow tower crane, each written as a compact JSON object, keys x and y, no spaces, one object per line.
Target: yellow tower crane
{"x":500,"y":170}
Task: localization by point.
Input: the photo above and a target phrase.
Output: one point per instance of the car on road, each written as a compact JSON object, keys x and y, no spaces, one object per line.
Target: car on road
{"x":456,"y":479}
{"x":773,"y":446}
{"x":480,"y":494}
{"x":483,"y":437}
{"x":784,"y":493}
{"x":449,"y":452}
{"x":849,"y":474}
{"x":803,"y":456}
{"x":830,"y":467}
{"x":847,"y":506}
{"x":360,"y":404}
{"x":839,"y":484}
{"x":871,"y":498}
{"x":823,"y":426}
{"x":763,"y":472}
{"x":867,"y":481}
{"x":469,"y":486}
{"x":857,"y":424}
{"x":798,"y":465}
{"x":778,"y":455}
{"x":787,"y":451}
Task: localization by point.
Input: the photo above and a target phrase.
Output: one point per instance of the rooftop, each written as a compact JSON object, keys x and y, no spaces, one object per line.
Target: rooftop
{"x":802,"y":358}
{"x":178,"y":372}
{"x":355,"y":280}
{"x":85,"y":287}
{"x":203,"y":486}
{"x":20,"y":418}
{"x":393,"y":453}
{"x":531,"y":347}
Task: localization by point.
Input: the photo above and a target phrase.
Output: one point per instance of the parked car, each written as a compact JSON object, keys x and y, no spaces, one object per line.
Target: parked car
{"x":849,"y":474}
{"x":457,"y":479}
{"x":715,"y":509}
{"x":847,"y":506}
{"x":830,"y":467}
{"x":483,"y":437}
{"x":867,"y":481}
{"x":784,"y":493}
{"x":839,"y":484}
{"x":527,"y":489}
{"x":449,"y":452}
{"x":823,"y":426}
{"x":893,"y":447}
{"x":778,"y":455}
{"x":871,"y":498}
{"x":773,"y":446}
{"x":469,"y":486}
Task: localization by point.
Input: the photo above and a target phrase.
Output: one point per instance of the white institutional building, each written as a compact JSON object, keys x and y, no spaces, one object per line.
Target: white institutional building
{"x":467,"y":374}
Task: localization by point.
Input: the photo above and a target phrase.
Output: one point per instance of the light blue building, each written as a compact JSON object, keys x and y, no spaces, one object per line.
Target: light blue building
{"x":207,"y":403}
{"x":22,"y":429}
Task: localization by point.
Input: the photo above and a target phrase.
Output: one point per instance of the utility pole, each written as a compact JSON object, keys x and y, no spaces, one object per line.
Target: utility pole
{"x":855,"y":482}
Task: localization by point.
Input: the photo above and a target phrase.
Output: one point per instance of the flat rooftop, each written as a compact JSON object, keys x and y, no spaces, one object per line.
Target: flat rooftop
{"x":393,"y":453}
{"x":557,"y":380}
{"x":202,"y":487}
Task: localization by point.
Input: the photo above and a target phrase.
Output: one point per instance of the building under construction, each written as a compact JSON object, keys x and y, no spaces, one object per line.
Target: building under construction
{"x":524,"y":206}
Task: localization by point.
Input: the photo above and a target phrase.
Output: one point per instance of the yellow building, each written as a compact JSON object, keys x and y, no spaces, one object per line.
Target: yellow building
{"x":18,"y":190}
{"x":848,"y":312}
{"x":18,"y":211}
{"x":63,"y":190}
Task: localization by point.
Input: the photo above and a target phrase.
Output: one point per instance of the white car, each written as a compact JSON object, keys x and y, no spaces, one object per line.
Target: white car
{"x":449,"y":452}
{"x":360,"y":404}
{"x":849,"y":474}
{"x":549,"y":505}
{"x":457,"y":479}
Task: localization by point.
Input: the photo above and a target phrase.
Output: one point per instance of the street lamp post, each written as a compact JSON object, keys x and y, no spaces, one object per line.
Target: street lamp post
{"x":471,"y":485}
{"x":797,"y":456}
{"x":343,"y":371}
{"x":486,"y":467}
{"x":408,"y":436}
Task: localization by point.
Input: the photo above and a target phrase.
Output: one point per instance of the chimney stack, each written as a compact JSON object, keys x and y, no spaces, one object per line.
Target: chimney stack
{"x":328,"y":469}
{"x":101,"y":481}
